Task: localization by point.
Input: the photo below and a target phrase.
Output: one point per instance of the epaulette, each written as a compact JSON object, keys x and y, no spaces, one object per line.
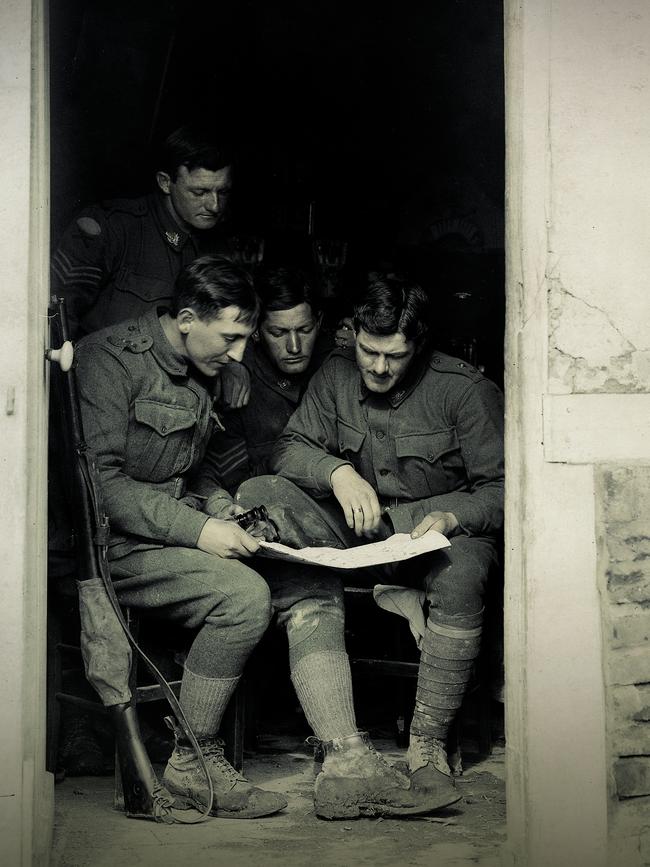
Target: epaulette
{"x":137,"y":207}
{"x":128,"y":336}
{"x":448,"y":364}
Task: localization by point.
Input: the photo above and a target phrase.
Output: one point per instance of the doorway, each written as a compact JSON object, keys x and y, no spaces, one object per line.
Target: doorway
{"x":350,"y":128}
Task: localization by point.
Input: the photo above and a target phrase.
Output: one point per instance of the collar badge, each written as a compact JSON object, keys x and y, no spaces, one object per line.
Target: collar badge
{"x":174,"y":238}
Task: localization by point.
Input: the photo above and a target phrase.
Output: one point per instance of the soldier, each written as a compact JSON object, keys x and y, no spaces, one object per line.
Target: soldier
{"x":391,"y":437}
{"x":121,"y":258}
{"x":281,"y":357}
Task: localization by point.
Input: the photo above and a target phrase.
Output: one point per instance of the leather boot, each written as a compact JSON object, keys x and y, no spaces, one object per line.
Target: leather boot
{"x":234,"y":797}
{"x":357,"y":781}
{"x":430,"y":773}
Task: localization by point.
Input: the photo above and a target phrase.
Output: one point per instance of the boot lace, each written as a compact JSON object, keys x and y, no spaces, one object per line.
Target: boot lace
{"x":213,"y":753}
{"x":430,"y":751}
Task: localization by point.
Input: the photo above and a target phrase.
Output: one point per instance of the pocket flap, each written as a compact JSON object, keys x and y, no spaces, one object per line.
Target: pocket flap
{"x":164,"y":418}
{"x":350,"y":439}
{"x":429,"y":446}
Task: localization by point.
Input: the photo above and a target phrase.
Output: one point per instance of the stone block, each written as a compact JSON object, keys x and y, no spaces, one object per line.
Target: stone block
{"x":627,"y":583}
{"x":632,"y":776}
{"x":629,"y":665}
{"x":630,"y":738}
{"x":630,"y":626}
{"x":631,"y":702}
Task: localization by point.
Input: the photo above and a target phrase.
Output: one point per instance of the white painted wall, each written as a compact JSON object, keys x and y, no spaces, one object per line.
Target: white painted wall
{"x":578,"y":238}
{"x":25,"y":788}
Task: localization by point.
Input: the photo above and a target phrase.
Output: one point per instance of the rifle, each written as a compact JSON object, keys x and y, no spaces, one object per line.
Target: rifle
{"x":106,"y":641}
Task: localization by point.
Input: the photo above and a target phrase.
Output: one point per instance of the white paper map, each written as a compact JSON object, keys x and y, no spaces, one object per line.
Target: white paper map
{"x":391,"y":550}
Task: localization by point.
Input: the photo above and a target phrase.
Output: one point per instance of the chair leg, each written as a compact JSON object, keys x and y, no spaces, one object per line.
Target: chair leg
{"x":234,"y":724}
{"x":119,"y":800}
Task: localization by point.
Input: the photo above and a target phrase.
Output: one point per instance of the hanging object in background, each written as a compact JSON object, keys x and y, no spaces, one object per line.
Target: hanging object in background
{"x":247,"y":250}
{"x":329,"y":257}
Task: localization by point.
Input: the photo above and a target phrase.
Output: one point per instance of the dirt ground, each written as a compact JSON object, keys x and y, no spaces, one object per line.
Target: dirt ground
{"x":90,"y":833}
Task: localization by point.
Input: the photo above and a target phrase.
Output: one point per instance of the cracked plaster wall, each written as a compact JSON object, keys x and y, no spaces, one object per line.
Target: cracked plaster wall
{"x":598,"y":245}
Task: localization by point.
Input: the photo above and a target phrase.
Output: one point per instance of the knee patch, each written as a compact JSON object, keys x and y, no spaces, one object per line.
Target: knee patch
{"x":320,"y":622}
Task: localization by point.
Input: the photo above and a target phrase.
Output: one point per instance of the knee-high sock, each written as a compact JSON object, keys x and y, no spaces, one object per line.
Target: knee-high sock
{"x":323,"y":685}
{"x":204,"y":701}
{"x":448,"y":654}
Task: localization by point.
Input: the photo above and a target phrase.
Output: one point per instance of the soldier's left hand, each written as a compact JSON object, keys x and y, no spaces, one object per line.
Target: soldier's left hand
{"x":235,"y":385}
{"x":443,"y":522}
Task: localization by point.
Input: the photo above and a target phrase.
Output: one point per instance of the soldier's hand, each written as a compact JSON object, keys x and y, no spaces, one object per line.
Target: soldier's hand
{"x":235,"y":385}
{"x":358,"y":500}
{"x":226,"y":539}
{"x":444,"y":522}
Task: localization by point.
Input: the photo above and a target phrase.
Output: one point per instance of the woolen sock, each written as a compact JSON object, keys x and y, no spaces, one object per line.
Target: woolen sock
{"x":204,"y":701}
{"x":446,"y":662}
{"x":323,"y":685}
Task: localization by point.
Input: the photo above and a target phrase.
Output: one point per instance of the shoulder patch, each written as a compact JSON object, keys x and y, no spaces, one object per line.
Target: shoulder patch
{"x":129,"y":337}
{"x":448,"y":364}
{"x":89,"y":226}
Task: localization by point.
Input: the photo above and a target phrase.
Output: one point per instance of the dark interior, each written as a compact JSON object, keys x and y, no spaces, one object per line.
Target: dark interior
{"x":388,"y":126}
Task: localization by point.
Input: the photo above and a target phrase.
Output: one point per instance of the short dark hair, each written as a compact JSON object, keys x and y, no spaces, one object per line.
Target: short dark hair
{"x":282,"y":288}
{"x":391,"y":304}
{"x":195,"y":148}
{"x":210,"y":284}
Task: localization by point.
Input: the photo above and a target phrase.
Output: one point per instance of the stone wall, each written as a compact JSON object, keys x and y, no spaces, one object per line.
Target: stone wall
{"x":624,"y":566}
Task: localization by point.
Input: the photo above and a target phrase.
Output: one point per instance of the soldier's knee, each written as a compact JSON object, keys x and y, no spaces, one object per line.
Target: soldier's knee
{"x":246,"y":605}
{"x":256,"y":604}
{"x":262,"y":489}
{"x":320,"y":620}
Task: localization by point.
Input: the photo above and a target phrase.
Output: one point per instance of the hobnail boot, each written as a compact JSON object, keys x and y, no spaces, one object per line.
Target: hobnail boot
{"x":234,"y":797}
{"x":429,"y":770}
{"x":356,"y":781}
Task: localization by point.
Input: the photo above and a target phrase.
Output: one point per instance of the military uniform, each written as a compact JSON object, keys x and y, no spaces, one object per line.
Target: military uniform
{"x":149,"y":419}
{"x":432,"y":444}
{"x":253,"y":431}
{"x":120,"y":258}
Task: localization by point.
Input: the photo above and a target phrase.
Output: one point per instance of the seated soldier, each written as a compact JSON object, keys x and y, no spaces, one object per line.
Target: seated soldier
{"x":146,"y":394}
{"x":391,"y":437}
{"x":145,"y":388}
{"x":284,"y":352}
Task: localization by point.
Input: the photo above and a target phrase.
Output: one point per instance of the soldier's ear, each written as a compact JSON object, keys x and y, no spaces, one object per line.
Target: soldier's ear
{"x":184,"y":320}
{"x":164,"y":182}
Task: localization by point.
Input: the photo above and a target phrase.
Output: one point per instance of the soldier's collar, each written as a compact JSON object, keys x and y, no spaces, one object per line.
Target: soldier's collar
{"x":403,"y":388}
{"x":269,"y":373}
{"x":168,"y":358}
{"x":173,"y":235}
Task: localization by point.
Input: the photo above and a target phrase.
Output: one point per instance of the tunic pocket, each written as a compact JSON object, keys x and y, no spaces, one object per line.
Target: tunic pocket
{"x":164,"y":436}
{"x":350,"y":442}
{"x":430,"y":463}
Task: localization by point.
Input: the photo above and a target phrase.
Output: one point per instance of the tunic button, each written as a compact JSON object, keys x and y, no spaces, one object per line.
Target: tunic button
{"x":431,"y":457}
{"x":283,"y":383}
{"x":380,"y":434}
{"x":164,"y":428}
{"x":461,"y":364}
{"x":436,"y":358}
{"x":384,"y":472}
{"x":131,"y":327}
